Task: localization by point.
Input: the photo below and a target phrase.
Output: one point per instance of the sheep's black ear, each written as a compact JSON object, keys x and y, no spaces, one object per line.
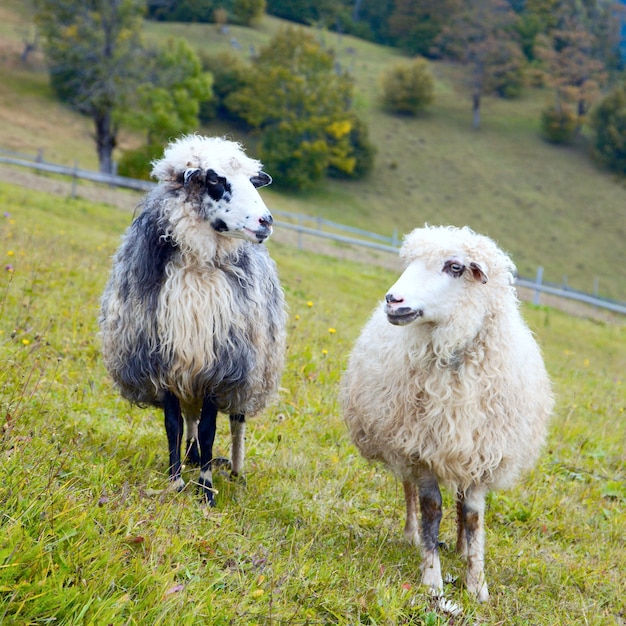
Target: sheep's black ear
{"x":261,"y":180}
{"x":478,"y":272}
{"x":190,"y":175}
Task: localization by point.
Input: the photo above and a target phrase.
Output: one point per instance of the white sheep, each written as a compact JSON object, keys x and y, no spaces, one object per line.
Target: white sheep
{"x":193,"y":316}
{"x":446,"y":384}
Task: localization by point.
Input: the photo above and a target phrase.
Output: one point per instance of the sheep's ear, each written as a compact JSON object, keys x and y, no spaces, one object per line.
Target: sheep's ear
{"x":190,"y":175}
{"x":478,"y":272}
{"x":261,"y":180}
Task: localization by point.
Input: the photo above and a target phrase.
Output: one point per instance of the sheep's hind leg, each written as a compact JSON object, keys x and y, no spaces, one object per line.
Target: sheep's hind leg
{"x":411,"y":526}
{"x":430,"y":506}
{"x":174,"y":432}
{"x":238,"y":445}
{"x":206,"y":438}
{"x":473,"y":513}
{"x":192,"y":450}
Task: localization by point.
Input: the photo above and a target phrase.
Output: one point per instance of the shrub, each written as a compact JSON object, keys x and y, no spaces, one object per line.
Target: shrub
{"x":138,"y":163}
{"x":558,"y":124}
{"x":407,"y":87}
{"x":608,"y":120}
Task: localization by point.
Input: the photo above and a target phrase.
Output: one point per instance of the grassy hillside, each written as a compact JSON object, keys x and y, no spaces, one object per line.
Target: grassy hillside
{"x":90,"y":536}
{"x":547,"y":205}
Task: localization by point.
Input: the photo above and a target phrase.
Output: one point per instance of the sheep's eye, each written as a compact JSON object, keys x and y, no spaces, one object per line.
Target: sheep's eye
{"x":453,"y":268}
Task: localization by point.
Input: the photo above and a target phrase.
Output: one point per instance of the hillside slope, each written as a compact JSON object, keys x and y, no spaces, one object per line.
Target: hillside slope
{"x":548,"y":206}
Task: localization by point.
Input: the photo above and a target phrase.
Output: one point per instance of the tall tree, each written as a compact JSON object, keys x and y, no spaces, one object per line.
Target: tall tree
{"x":415,"y":24}
{"x":573,"y":56}
{"x":475,"y":36}
{"x":94,"y":53}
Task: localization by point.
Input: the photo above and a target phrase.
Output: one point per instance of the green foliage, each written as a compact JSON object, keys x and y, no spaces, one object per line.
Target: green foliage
{"x":558,"y":125}
{"x":415,"y":26}
{"x":183,"y":10}
{"x":302,"y":104}
{"x":168,"y":104}
{"x":248,"y":12}
{"x":608,"y":121}
{"x":408,"y":87}
{"x":137,"y":163}
{"x":90,"y":534}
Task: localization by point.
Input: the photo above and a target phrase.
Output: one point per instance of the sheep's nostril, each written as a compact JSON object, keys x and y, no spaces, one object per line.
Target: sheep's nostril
{"x":390,"y":298}
{"x":266,"y":220}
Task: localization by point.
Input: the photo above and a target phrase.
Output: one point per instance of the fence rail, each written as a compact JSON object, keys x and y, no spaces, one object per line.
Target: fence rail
{"x":297,"y":221}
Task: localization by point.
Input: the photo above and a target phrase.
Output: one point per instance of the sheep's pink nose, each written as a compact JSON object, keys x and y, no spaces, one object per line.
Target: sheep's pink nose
{"x":266,"y":220}
{"x":391,"y":299}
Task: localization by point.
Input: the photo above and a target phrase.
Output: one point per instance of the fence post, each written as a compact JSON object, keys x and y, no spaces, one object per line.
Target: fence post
{"x":538,"y":281}
{"x":300,"y":219}
{"x":394,"y":238}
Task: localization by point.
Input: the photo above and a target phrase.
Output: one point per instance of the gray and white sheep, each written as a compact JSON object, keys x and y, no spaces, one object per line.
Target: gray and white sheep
{"x":446,"y":384}
{"x":193,"y":315}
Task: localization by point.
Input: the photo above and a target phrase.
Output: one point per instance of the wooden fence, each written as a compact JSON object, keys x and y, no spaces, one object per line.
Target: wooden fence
{"x":317,"y":227}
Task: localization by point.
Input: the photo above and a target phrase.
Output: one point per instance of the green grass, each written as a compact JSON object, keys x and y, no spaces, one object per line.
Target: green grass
{"x":548,"y":206}
{"x":90,"y":536}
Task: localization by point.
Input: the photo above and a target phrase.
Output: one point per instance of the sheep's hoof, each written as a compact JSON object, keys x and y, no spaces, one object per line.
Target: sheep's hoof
{"x":222,"y":464}
{"x":208,"y":492}
{"x":176,"y":484}
{"x":478,"y":588}
{"x":240,"y":479}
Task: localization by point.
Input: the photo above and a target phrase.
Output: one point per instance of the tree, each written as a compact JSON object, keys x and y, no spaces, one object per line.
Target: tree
{"x":408,"y":87}
{"x":301,"y":101}
{"x":94,"y":53}
{"x":608,"y":120}
{"x":474,"y":36}
{"x":415,"y":24}
{"x":168,"y":102}
{"x":571,"y":60}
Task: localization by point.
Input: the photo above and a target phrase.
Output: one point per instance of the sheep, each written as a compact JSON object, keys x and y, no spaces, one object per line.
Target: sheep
{"x":192,"y":318}
{"x":446,"y":384}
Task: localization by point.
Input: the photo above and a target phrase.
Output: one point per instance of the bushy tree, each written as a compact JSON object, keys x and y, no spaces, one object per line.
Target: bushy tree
{"x":95,"y":59}
{"x":301,"y":102}
{"x":248,"y":12}
{"x":608,"y":121}
{"x":415,"y":25}
{"x":407,"y":87}
{"x":168,"y":102}
{"x":558,"y":125}
{"x":474,"y":36}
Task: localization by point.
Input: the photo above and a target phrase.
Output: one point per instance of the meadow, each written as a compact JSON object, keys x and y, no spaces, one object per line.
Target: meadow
{"x":90,"y":534}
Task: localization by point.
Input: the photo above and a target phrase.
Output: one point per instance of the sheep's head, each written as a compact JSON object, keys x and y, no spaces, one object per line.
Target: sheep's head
{"x":220,"y":184}
{"x":447,"y":270}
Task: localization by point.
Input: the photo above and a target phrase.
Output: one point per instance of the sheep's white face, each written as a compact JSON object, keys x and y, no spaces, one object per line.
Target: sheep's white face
{"x":232,"y":205}
{"x":429,"y":293}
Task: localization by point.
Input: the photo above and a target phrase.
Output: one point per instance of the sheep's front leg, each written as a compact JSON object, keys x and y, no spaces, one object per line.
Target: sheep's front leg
{"x":238,"y":444}
{"x":174,"y":432}
{"x":473,"y":518}
{"x":411,"y":526}
{"x":430,"y":506}
{"x":206,"y":437}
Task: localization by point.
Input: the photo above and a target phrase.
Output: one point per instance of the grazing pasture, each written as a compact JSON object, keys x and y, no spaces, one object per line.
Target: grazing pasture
{"x":89,"y":535}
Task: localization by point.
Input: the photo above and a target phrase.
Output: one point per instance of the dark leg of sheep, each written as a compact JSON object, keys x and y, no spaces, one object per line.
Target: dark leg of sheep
{"x":174,"y":432}
{"x":473,"y":514}
{"x":238,"y":444}
{"x":461,"y":541}
{"x":430,"y":506}
{"x":411,"y":525}
{"x":206,"y":438}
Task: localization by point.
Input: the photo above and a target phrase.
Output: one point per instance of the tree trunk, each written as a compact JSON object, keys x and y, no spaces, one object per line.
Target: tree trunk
{"x":476,"y":110}
{"x":105,"y":141}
